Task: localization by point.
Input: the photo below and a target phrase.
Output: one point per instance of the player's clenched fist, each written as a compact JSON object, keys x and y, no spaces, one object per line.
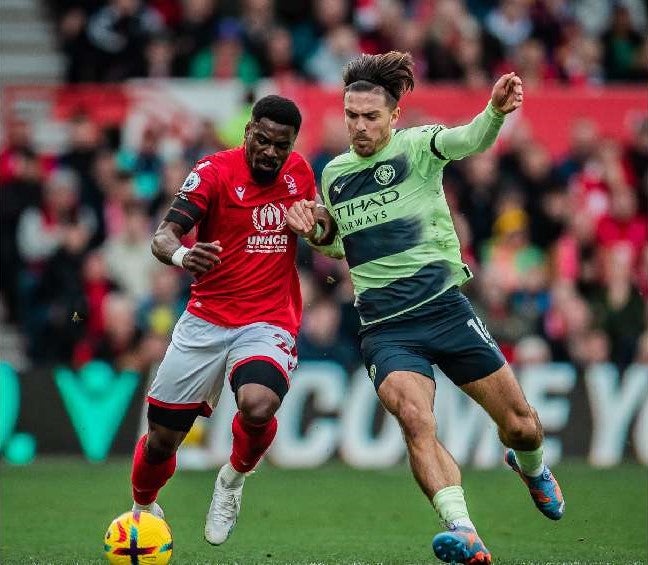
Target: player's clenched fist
{"x":301,"y":218}
{"x":507,"y":93}
{"x":313,"y":221}
{"x":202,"y":257}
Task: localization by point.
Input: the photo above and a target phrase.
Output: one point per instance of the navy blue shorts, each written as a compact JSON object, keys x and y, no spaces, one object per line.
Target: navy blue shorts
{"x":444,"y":332}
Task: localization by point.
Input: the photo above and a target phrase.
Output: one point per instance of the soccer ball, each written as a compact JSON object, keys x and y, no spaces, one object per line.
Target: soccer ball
{"x":138,"y":537}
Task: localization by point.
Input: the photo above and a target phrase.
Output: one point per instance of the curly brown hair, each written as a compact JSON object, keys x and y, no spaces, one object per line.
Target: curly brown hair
{"x":392,"y":71}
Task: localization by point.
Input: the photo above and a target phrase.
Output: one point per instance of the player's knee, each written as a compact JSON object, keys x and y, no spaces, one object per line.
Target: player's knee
{"x":415,"y":420}
{"x":522,"y":431}
{"x":257,"y":406}
{"x":160,"y":447}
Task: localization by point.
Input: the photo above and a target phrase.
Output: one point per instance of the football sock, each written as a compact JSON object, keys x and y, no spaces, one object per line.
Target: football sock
{"x":530,"y":462}
{"x":231,"y":477}
{"x":450,"y":505}
{"x":147,"y":478}
{"x":250,"y":442}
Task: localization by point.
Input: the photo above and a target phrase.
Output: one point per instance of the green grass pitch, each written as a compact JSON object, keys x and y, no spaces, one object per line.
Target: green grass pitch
{"x":56,"y":511}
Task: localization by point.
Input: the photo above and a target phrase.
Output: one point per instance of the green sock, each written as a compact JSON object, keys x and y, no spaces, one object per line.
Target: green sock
{"x":530,"y":461}
{"x":450,"y":505}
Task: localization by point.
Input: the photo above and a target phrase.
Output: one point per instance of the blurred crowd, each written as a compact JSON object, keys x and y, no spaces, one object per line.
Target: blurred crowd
{"x":559,"y":247}
{"x":464,"y":41}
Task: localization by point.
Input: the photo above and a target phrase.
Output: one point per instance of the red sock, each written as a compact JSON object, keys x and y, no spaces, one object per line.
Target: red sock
{"x":250,"y":442}
{"x":147,"y":478}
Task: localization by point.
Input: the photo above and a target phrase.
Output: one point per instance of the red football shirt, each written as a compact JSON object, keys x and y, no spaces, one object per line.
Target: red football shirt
{"x":256,"y":280}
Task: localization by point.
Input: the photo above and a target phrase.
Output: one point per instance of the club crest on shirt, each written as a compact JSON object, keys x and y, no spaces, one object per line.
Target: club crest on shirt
{"x":291,"y":183}
{"x":191,"y":182}
{"x":384,"y":174}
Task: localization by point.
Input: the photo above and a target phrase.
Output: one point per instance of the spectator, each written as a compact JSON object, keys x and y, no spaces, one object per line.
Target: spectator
{"x":144,"y":163}
{"x":319,"y":339}
{"x":641,"y":357}
{"x":158,"y":312}
{"x":583,"y":139}
{"x":623,"y":227}
{"x":493,"y":306}
{"x":574,"y":253}
{"x":18,"y":143}
{"x":85,"y":142}
{"x":510,"y":254}
{"x":227,"y":57}
{"x":195,"y":32}
{"x":618,"y":307}
{"x":622,"y":47}
{"x":128,"y":254}
{"x":119,"y":194}
{"x":60,"y":221}
{"x":173,"y":176}
{"x":120,"y":343}
{"x":333,"y":141}
{"x":637,"y":158}
{"x":510,"y":23}
{"x":589,"y":348}
{"x":531,"y":350}
{"x":338,"y":47}
{"x":21,"y":191}
{"x":119,"y":33}
{"x":531,"y":64}
{"x":568,"y":319}
{"x":158,"y":58}
{"x":278,"y":58}
{"x":308,"y":35}
{"x":59,"y":297}
{"x":479,"y":191}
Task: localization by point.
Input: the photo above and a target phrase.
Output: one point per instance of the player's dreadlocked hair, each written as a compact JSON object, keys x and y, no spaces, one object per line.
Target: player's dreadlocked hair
{"x":278,"y":109}
{"x":393,"y":71}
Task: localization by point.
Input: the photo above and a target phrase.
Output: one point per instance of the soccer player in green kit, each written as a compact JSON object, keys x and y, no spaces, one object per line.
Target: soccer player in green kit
{"x":394,"y":227}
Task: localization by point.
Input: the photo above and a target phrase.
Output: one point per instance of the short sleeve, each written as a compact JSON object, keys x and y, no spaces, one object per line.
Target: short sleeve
{"x":199,"y":188}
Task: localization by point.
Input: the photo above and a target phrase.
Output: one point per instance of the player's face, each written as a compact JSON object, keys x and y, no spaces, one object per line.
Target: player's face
{"x":369,"y":121}
{"x":267,"y":146}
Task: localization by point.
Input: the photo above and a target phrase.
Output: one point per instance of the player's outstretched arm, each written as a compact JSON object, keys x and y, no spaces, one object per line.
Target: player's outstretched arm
{"x":198,"y":260}
{"x":482,"y":131}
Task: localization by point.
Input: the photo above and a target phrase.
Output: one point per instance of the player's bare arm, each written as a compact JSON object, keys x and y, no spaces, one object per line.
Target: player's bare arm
{"x":507,"y":93}
{"x":199,"y":259}
{"x":305,"y":216}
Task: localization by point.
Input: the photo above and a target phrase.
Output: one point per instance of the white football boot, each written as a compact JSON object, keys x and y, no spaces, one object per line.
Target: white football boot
{"x":223,"y":510}
{"x":153,"y":508}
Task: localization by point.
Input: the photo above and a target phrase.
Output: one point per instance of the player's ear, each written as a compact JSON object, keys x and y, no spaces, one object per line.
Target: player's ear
{"x":248,"y":126}
{"x":395,"y":114}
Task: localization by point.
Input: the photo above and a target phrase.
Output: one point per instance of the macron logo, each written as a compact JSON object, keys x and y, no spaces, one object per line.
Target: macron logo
{"x":240,"y":191}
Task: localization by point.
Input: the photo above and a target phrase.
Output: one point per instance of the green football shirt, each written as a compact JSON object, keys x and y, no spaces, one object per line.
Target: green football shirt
{"x":393,"y":219}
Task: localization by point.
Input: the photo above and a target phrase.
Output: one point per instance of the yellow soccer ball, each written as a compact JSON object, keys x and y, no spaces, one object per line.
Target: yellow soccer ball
{"x":138,"y":537}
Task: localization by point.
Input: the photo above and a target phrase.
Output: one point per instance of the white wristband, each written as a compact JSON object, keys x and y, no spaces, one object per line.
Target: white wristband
{"x":178,"y":255}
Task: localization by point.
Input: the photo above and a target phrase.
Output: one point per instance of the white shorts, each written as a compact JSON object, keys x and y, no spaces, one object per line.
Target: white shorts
{"x":201,"y":355}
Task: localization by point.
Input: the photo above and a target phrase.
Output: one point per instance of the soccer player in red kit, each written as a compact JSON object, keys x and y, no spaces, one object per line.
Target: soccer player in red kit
{"x":244,"y":311}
